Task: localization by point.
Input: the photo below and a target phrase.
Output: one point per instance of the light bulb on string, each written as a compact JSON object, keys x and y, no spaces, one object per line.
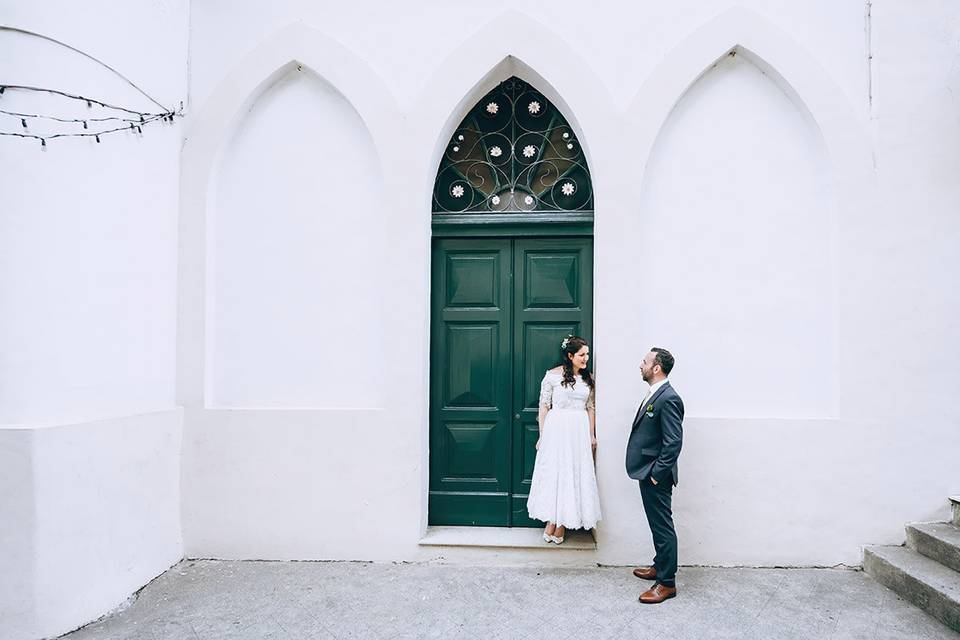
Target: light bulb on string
{"x":134,"y":118}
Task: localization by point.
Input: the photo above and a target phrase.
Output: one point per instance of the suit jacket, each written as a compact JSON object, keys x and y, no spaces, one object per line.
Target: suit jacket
{"x":655,"y":440}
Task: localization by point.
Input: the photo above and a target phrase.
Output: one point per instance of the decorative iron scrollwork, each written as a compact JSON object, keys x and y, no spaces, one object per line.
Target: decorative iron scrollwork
{"x":514,"y":152}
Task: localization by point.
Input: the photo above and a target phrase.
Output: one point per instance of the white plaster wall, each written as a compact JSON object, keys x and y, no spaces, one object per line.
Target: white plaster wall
{"x":765,"y":491}
{"x":914,"y":238}
{"x":18,"y":518}
{"x":620,"y":43}
{"x":107,"y":514}
{"x":296,"y":262}
{"x":300,"y":484}
{"x":88,"y":231}
{"x":88,"y":249}
{"x":821,"y":459}
{"x":90,"y":513}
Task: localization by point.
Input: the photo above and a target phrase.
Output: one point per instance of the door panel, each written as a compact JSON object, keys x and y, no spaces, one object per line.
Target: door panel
{"x":472,"y":279}
{"x":471,"y":365}
{"x":470,"y":383}
{"x":500,"y":310}
{"x":551,"y":280}
{"x":471,"y":451}
{"x":552,"y":299}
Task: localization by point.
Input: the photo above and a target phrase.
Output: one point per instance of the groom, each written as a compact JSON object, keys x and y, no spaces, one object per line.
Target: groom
{"x":652,"y":452}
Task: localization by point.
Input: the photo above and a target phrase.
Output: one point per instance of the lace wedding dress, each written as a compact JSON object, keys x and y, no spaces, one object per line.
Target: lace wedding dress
{"x":564,"y":486}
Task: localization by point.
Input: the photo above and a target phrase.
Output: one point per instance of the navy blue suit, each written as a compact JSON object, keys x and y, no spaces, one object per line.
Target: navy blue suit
{"x":652,"y":451}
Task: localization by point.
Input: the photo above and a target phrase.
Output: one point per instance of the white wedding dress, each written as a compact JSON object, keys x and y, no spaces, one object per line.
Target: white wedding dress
{"x":564,"y":486}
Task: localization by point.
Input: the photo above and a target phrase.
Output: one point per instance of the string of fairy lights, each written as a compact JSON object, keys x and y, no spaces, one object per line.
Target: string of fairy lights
{"x":108,"y":118}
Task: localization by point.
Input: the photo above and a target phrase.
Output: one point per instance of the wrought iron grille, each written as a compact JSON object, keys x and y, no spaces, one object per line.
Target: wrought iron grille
{"x":514,"y":152}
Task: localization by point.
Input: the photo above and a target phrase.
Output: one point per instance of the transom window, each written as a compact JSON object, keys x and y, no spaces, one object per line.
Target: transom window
{"x":513,"y":153}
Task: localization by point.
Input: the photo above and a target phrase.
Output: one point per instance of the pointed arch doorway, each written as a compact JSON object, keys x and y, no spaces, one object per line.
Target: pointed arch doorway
{"x":511,"y":276}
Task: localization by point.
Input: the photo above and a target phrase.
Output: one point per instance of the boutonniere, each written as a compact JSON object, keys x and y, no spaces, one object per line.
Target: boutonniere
{"x":649,"y":410}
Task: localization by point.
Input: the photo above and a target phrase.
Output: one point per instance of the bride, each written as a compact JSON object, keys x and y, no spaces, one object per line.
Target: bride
{"x":563,"y":492}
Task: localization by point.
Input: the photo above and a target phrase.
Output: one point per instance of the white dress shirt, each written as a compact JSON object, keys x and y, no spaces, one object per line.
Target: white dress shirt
{"x":653,"y":389}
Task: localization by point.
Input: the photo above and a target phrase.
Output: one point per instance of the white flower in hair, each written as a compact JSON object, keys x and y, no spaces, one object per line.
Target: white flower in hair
{"x":566,"y":341}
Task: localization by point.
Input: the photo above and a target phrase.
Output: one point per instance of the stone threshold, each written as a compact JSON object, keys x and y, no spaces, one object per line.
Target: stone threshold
{"x":504,"y":537}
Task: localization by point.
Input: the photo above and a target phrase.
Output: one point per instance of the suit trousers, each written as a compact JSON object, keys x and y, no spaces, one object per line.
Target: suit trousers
{"x":658,"y":505}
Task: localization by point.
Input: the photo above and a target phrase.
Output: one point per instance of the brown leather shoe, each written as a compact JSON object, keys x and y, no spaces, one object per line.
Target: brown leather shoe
{"x":658,"y":594}
{"x":646,"y":573}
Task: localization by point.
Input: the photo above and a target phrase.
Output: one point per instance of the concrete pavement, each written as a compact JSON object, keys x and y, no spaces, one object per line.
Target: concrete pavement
{"x":204,"y":600}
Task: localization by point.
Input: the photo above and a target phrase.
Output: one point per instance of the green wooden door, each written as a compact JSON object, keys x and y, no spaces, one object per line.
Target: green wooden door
{"x":500,"y":309}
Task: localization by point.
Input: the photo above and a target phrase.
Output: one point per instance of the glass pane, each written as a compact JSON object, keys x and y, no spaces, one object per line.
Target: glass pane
{"x":514,"y":152}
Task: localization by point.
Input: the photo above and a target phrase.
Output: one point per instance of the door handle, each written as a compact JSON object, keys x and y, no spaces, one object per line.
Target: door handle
{"x":516,"y":416}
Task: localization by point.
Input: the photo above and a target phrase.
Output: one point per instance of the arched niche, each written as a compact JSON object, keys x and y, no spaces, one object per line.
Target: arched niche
{"x":296,"y":239}
{"x":210,"y":131}
{"x":737,"y":217}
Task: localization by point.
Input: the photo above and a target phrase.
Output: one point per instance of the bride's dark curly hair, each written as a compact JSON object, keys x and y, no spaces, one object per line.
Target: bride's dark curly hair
{"x":574,"y":344}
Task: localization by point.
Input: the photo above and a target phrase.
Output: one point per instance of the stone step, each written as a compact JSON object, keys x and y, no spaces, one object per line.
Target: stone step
{"x":508,"y":537}
{"x":918,"y":579}
{"x":955,"y":503}
{"x":938,"y":541}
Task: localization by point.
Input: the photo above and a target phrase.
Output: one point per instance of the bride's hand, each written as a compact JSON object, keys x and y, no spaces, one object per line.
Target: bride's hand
{"x":537,"y":446}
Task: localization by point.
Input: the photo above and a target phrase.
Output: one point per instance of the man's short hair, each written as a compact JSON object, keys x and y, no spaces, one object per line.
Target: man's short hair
{"x":664,"y":359}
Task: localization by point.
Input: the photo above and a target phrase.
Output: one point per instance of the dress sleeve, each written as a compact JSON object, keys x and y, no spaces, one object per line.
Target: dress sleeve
{"x":546,"y":392}
{"x":592,"y":398}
